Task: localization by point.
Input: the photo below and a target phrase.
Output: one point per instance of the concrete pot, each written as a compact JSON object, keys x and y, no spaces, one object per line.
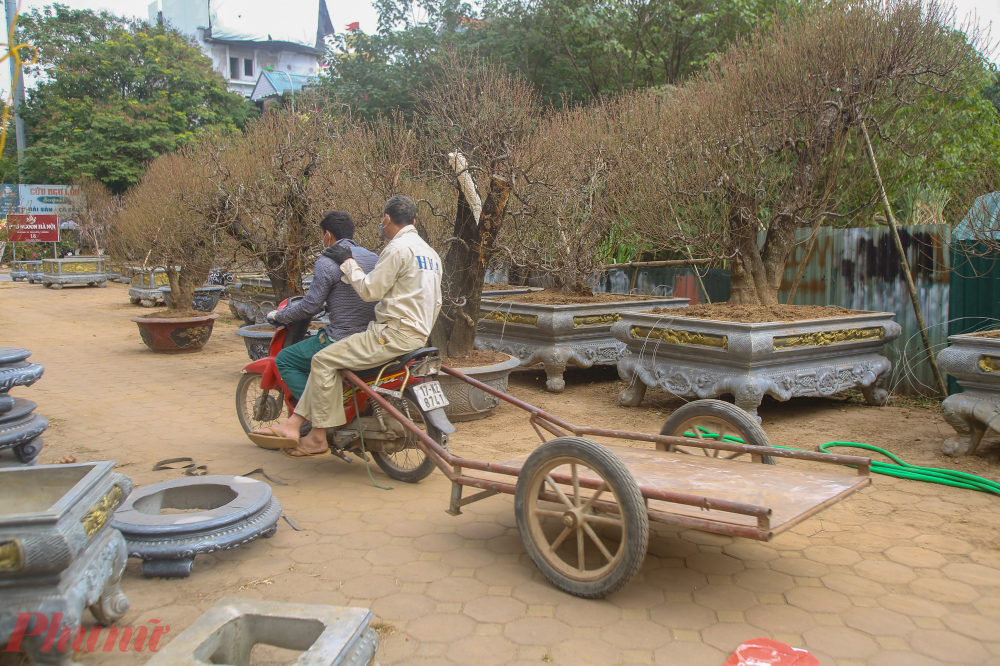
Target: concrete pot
{"x":468,"y":403}
{"x":146,"y":287}
{"x":74,"y":270}
{"x":172,"y":336}
{"x":975,"y":363}
{"x":558,"y":335}
{"x":257,"y":338}
{"x":27,"y":270}
{"x":58,"y":552}
{"x":700,"y":358}
{"x":205,"y":298}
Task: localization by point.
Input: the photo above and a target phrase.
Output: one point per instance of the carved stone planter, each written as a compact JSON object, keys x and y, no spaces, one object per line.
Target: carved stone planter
{"x":74,"y":270}
{"x":558,"y":335}
{"x":257,"y":338}
{"x":176,"y":335}
{"x":468,"y":403}
{"x":58,"y":551}
{"x":27,"y":270}
{"x":701,"y":358}
{"x":146,"y":287}
{"x":205,"y":298}
{"x":252,"y":297}
{"x":231,"y":511}
{"x":20,"y":428}
{"x":225,"y":634}
{"x":975,"y":363}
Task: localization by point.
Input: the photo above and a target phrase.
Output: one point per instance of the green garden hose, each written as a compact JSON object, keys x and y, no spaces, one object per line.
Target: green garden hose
{"x":898,"y":468}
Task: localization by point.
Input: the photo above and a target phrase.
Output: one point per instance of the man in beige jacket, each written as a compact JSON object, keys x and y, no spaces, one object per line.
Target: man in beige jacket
{"x":406,"y":282}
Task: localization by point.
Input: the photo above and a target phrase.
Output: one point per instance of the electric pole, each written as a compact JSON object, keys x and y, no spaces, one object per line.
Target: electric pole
{"x":16,"y":75}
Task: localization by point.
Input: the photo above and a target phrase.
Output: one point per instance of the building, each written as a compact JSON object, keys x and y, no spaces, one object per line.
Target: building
{"x":244,"y":41}
{"x":274,"y":84}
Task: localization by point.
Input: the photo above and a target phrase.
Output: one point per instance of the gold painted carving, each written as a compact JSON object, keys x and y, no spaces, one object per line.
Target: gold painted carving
{"x":101,"y":512}
{"x":596,"y":320}
{"x":673,"y":337}
{"x":989,"y":364}
{"x":255,"y":289}
{"x":11,"y":558}
{"x":823,"y":338}
{"x":510,"y":318}
{"x":80,"y":267}
{"x":161,"y":279}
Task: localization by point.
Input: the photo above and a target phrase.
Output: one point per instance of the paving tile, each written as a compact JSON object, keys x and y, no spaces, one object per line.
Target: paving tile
{"x":832,"y":555}
{"x":440,"y":627}
{"x":799,"y":567}
{"x":949,"y":647}
{"x":914,"y":606}
{"x":974,"y":626}
{"x":780,"y":619}
{"x":715,"y":564}
{"x":853,"y":586}
{"x":818,"y":600}
{"x":883,"y":571}
{"x":586,"y":651}
{"x":944,"y":590}
{"x":688,"y":654}
{"x":537,"y":631}
{"x":495,"y":609}
{"x":879,"y":621}
{"x":727,"y":637}
{"x":682,"y":615}
{"x":973,"y":574}
{"x":588,"y":612}
{"x":403,"y":606}
{"x":840,"y":642}
{"x":764,"y":581}
{"x":636,"y":634}
{"x":724,"y":598}
{"x":903,"y":658}
{"x":456,"y":589}
{"x":482,"y":650}
{"x":915,"y":556}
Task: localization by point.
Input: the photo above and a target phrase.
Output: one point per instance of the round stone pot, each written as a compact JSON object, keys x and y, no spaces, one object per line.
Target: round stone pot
{"x":468,"y":403}
{"x":172,"y":336}
{"x":205,"y":298}
{"x":257,"y":338}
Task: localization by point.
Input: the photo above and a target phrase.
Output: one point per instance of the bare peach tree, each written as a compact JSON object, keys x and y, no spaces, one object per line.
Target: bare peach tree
{"x":769,"y":137}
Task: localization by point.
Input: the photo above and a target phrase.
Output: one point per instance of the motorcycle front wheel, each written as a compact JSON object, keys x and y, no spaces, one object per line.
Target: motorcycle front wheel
{"x":257,"y":408}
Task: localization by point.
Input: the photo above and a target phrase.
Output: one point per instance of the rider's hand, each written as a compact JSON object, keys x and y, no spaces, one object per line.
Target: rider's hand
{"x":271,"y":318}
{"x":338,"y":253}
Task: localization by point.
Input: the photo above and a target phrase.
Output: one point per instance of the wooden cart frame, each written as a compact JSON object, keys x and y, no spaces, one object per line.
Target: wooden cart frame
{"x":593,"y":486}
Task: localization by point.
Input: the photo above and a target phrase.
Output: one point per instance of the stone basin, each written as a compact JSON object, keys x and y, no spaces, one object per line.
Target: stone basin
{"x":702,"y":358}
{"x":558,"y":335}
{"x":975,"y":363}
{"x":57,"y":273}
{"x":251,"y":297}
{"x":146,"y":287}
{"x":28,"y":270}
{"x":205,"y":298}
{"x":58,"y":552}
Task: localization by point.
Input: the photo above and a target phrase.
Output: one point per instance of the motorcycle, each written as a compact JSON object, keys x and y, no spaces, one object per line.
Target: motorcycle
{"x":408,"y":382}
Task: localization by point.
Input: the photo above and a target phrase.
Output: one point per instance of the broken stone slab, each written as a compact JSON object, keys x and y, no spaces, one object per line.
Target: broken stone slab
{"x":58,"y":551}
{"x":227,"y":632}
{"x":219,"y":512}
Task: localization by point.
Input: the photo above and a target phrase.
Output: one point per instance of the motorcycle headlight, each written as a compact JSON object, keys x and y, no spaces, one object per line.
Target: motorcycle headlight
{"x":430,"y":365}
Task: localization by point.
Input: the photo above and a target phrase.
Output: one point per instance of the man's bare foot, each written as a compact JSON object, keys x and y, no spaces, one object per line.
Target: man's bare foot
{"x":313,"y":442}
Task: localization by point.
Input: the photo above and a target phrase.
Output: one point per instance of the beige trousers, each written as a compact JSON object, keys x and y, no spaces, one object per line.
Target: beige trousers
{"x":322,"y":401}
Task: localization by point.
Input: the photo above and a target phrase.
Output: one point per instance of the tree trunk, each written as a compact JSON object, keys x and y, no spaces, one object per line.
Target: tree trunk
{"x":465,"y":264}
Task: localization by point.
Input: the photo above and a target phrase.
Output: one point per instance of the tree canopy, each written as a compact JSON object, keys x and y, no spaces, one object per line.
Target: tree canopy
{"x":115,"y":93}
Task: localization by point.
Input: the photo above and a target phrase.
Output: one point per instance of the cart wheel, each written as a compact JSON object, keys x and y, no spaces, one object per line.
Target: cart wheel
{"x":582,"y":552}
{"x":410,"y":464}
{"x":257,"y":408}
{"x":714,"y":420}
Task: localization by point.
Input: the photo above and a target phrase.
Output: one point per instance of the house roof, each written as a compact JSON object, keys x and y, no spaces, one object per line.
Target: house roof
{"x":302,"y":23}
{"x":982,"y":220}
{"x":270,"y":84}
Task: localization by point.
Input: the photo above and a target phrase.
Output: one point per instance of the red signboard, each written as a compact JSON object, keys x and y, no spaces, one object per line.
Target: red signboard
{"x":33,"y":228}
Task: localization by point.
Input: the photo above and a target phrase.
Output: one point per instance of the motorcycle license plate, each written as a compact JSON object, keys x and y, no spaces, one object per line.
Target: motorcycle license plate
{"x":430,"y":396}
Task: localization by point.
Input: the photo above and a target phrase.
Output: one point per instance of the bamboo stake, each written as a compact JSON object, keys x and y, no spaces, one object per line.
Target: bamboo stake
{"x":810,"y":244}
{"x":905,"y":265}
{"x":668,"y":262}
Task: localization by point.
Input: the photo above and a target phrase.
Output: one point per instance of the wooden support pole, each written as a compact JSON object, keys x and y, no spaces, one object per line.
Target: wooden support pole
{"x":810,"y":244}
{"x":905,"y":265}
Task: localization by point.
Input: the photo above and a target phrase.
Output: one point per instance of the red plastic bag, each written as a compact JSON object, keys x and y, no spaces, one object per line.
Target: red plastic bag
{"x":765,"y":652}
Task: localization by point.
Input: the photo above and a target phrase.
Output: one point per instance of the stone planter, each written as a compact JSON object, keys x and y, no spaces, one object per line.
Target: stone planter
{"x":146,"y":287}
{"x":252,"y":297}
{"x":20,"y":428}
{"x":221,"y":513}
{"x":74,"y":270}
{"x":489,"y":293}
{"x":227,"y":632}
{"x":172,"y":336}
{"x":468,"y":403}
{"x":113,"y":271}
{"x":975,"y":363}
{"x":700,"y":358}
{"x":205,"y":298}
{"x":58,"y":551}
{"x":558,"y":335}
{"x":27,"y":270}
{"x":257,"y":338}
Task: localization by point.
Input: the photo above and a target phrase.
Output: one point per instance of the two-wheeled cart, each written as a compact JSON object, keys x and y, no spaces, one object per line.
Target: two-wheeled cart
{"x":583,"y":508}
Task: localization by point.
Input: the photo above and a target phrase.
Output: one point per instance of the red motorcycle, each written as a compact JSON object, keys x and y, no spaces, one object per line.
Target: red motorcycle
{"x":408,"y":382}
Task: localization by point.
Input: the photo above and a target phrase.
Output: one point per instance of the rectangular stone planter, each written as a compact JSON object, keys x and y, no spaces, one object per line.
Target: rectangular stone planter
{"x":145,"y":287}
{"x":74,"y":270}
{"x":251,"y":297}
{"x":701,"y":358}
{"x":58,"y":552}
{"x":26,"y":270}
{"x":975,"y":363}
{"x":558,"y":335}
{"x":225,"y":634}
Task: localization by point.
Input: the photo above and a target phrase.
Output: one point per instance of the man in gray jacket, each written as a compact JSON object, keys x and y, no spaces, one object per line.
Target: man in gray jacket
{"x":348,"y":313}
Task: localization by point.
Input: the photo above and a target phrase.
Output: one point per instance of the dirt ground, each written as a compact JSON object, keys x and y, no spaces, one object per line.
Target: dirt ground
{"x":902,"y":573}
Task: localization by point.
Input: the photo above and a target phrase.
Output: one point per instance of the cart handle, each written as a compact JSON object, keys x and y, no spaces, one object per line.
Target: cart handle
{"x":539,"y":418}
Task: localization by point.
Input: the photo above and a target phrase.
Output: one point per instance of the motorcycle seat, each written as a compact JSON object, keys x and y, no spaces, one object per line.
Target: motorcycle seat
{"x":396,"y":364}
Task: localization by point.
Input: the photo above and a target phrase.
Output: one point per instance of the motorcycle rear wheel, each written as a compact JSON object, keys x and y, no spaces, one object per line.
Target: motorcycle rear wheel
{"x":410,"y":464}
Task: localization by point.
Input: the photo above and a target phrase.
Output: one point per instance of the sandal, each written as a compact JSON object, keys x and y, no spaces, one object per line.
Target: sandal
{"x":273,"y":441}
{"x":300,"y":454}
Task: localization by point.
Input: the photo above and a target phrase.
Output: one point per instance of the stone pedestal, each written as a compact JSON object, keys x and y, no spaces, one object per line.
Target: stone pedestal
{"x":20,"y":428}
{"x":58,"y":552}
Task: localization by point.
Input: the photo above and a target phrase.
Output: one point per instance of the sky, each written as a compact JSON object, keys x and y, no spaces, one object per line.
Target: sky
{"x":344,"y":12}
